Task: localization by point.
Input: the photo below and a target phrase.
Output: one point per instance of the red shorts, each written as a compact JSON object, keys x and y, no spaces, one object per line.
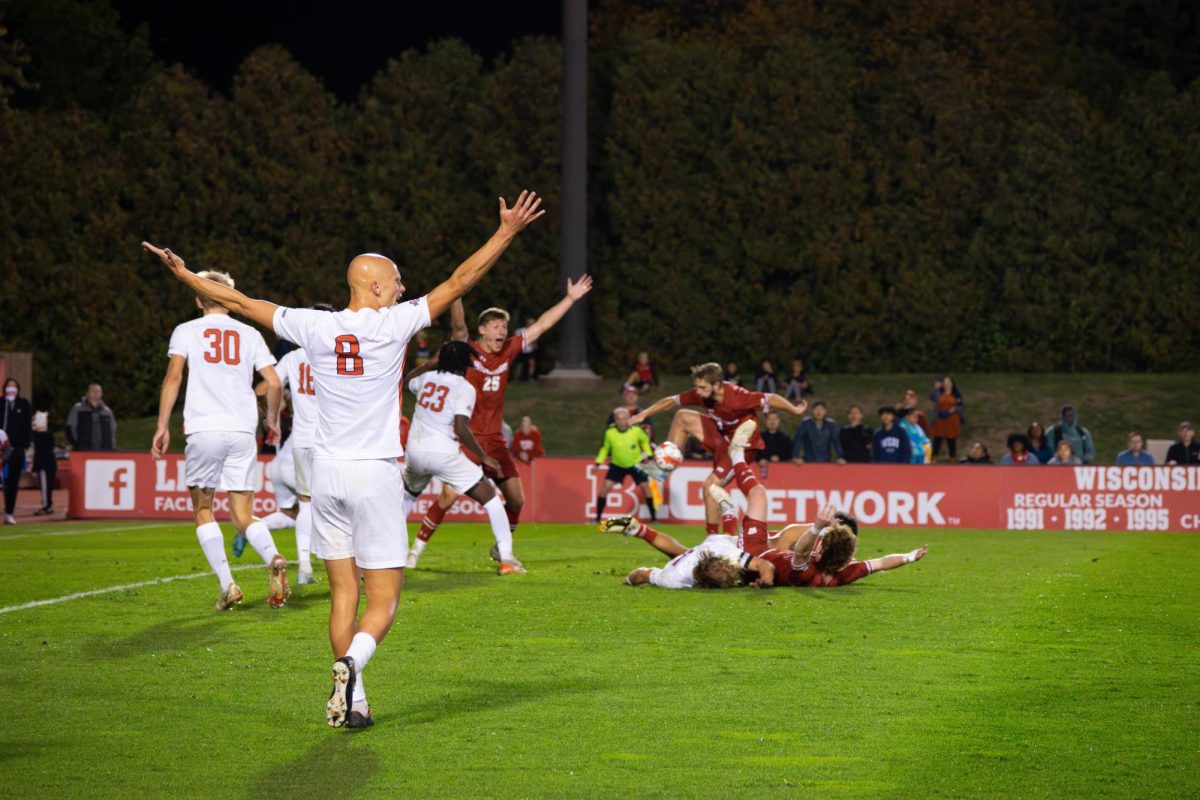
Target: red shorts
{"x":495,"y":447}
{"x":753,"y":538}
{"x":717,"y":443}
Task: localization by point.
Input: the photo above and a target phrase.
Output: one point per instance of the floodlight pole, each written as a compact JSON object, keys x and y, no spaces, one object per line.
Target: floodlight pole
{"x":572,"y":358}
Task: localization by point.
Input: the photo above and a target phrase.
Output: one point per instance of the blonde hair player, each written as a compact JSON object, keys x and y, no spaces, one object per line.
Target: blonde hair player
{"x":357,"y":355}
{"x":220,"y":417}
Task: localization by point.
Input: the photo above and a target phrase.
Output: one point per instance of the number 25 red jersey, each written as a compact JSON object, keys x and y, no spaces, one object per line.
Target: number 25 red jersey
{"x":489,"y":375}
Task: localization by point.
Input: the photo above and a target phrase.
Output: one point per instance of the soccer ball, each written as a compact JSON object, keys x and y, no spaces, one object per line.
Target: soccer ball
{"x":667,"y":456}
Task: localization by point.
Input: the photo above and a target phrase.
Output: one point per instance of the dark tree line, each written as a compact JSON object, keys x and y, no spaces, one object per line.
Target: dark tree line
{"x":1000,"y":185}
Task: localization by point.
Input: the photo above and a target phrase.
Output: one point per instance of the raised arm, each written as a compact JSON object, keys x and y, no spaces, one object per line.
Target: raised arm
{"x":259,"y":311}
{"x":166,"y":403}
{"x":458,"y":322}
{"x":665,"y":404}
{"x":781,"y":403}
{"x":885,"y":563}
{"x":575,"y":291}
{"x":470,"y":272}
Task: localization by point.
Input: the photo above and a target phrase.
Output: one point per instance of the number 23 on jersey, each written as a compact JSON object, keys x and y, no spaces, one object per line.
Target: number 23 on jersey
{"x":427,"y":399}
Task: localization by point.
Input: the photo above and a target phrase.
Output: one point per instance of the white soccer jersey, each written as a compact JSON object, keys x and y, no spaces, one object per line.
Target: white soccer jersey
{"x":441,"y":396}
{"x":358,"y":358}
{"x":296,"y":373}
{"x":222,"y":356}
{"x":677,"y":574}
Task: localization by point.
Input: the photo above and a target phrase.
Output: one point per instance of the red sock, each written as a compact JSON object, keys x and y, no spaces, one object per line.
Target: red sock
{"x":710,"y":528}
{"x":745,"y":478}
{"x":429,"y":525}
{"x":647,"y":533}
{"x":729,"y":525}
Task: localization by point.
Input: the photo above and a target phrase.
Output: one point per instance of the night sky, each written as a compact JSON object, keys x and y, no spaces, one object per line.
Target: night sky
{"x":344,"y":42}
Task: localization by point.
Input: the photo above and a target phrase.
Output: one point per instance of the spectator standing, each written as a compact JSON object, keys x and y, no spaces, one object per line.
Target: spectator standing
{"x":527,"y":441}
{"x":1135,"y":454}
{"x":643,"y":377}
{"x":16,"y":420}
{"x":777,"y":444}
{"x":1068,"y":428}
{"x":765,"y":381}
{"x":977,"y":453}
{"x":1187,"y":449}
{"x":818,"y":439}
{"x":916,"y":415}
{"x":732,"y":375}
{"x":45,"y":461}
{"x":1064,"y":455}
{"x":526,"y":363}
{"x":798,"y":384}
{"x":890,"y":444}
{"x":920,"y":441}
{"x":1038,"y":444}
{"x":856,"y":438}
{"x":947,"y":416}
{"x":91,"y":426}
{"x":1018,"y":451}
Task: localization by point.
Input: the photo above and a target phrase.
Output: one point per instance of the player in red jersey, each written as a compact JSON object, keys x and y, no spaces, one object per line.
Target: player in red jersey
{"x":711,"y":411}
{"x":495,"y":352}
{"x":822,"y":556}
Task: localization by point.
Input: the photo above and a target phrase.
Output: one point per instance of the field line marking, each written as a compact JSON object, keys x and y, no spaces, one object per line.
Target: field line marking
{"x":110,"y":589}
{"x":84,"y":532}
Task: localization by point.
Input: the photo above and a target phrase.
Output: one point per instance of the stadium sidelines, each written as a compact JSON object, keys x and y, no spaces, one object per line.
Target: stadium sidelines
{"x":110,"y":589}
{"x":83,"y":532}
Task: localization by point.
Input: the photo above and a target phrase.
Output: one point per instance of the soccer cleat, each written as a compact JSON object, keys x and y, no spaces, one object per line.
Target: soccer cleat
{"x":278,"y":590}
{"x":336,"y":710}
{"x":512,"y":567}
{"x":653,"y":470}
{"x":306,"y":579}
{"x":628,"y":526}
{"x":494,"y":553}
{"x":411,"y":561}
{"x":359,"y":721}
{"x":722,"y":499}
{"x":239,"y":544}
{"x":742,"y":435}
{"x":231,"y":595}
{"x":8,"y":520}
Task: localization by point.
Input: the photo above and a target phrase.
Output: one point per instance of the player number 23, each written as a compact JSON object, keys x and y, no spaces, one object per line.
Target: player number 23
{"x":427,"y":399}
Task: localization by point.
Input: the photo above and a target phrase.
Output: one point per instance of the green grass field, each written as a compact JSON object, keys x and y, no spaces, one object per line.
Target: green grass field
{"x":1002,"y":665}
{"x":1110,"y":405}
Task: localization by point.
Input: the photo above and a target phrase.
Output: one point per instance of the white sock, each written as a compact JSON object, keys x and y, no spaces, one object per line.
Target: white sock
{"x":737,"y":456}
{"x":304,"y":527}
{"x":278,"y":520}
{"x":500,"y":527}
{"x":360,"y":693}
{"x":260,"y":539}
{"x":362,"y":647}
{"x":213,"y":545}
{"x":418,"y":546}
{"x":406,"y":505}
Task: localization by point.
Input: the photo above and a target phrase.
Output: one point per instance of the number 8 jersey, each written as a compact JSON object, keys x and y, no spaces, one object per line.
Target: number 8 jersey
{"x":222,"y":356}
{"x":441,"y":396}
{"x":358,"y":358}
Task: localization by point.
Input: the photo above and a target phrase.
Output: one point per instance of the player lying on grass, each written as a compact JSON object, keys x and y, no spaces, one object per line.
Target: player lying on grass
{"x":822,"y":556}
{"x":710,"y":412}
{"x":716,"y":563}
{"x":441,"y":430}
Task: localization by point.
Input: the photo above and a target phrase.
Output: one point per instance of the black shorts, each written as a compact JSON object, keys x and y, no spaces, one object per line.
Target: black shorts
{"x":618,"y":474}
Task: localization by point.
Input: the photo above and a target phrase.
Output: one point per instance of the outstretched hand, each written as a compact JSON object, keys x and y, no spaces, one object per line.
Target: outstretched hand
{"x":523,"y":212}
{"x":173,"y":262}
{"x":826,"y":514}
{"x":919,"y":553}
{"x":579,"y":288}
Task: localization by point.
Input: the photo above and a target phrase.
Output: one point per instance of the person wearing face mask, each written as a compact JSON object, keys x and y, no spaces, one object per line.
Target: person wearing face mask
{"x":16,"y":420}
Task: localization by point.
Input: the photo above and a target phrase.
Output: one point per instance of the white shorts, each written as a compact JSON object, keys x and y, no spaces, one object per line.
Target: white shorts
{"x":451,"y":467}
{"x":358,"y":512}
{"x":302,"y":457}
{"x":224,"y":460}
{"x":281,"y":471}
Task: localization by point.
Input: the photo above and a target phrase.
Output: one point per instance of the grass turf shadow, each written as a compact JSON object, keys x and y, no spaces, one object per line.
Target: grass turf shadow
{"x":337,"y":766}
{"x":479,"y":695}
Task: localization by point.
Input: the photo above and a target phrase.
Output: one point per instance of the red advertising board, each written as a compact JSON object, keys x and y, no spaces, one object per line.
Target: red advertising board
{"x":564,"y":490}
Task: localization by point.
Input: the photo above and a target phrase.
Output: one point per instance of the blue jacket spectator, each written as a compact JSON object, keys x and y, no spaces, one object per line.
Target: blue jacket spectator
{"x":891,"y":444}
{"x":1135,"y":455}
{"x":1069,"y":429}
{"x":816,"y":437}
{"x":1038,"y":445}
{"x":921,"y":446}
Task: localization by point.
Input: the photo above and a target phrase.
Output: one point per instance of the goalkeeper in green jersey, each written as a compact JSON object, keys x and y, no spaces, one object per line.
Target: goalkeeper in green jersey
{"x":625,"y":446}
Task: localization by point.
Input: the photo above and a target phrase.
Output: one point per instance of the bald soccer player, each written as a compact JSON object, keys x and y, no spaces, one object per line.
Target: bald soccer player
{"x":357,"y":356}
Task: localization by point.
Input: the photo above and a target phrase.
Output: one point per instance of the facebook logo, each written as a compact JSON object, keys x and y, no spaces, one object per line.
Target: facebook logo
{"x":109,"y":485}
